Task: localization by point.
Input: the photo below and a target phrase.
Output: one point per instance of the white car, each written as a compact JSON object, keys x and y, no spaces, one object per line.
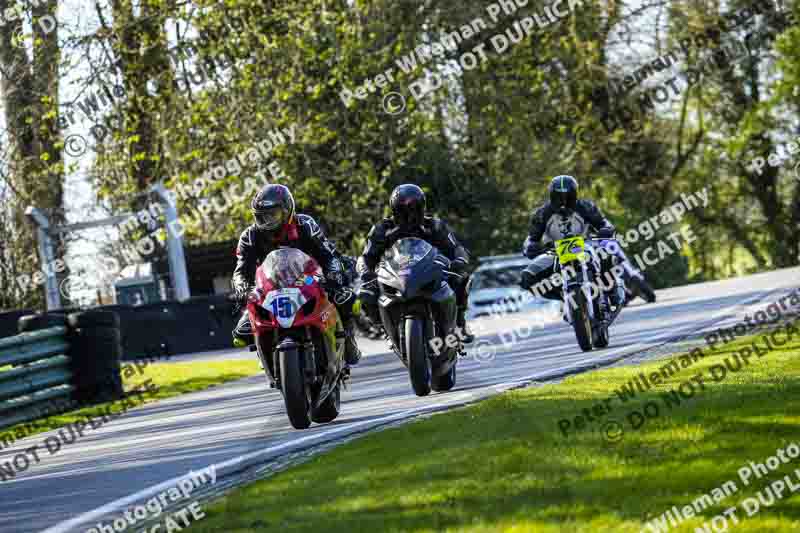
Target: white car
{"x":494,"y":287}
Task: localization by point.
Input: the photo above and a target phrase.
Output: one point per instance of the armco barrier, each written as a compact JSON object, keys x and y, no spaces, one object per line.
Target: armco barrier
{"x":41,"y":375}
{"x":58,"y":363}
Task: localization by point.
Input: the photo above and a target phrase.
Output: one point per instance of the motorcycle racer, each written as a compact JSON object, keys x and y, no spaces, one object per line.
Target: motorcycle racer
{"x":562,"y":216}
{"x":408,"y":219}
{"x":276,"y":225}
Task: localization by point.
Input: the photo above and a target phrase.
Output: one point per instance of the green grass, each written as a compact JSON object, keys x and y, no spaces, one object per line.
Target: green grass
{"x":503,"y":465}
{"x":172,"y":379}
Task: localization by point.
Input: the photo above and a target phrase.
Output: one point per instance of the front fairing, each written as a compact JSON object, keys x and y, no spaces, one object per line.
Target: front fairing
{"x":409,"y":270}
{"x":288,"y":282}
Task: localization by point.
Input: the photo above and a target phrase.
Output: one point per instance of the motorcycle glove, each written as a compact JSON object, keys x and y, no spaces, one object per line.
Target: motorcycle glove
{"x":458,"y":265}
{"x":335,"y":279}
{"x":532,"y":250}
{"x":238,"y":300}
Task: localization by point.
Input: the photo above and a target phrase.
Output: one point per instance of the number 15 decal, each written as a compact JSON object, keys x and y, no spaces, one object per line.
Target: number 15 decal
{"x":282,"y":307}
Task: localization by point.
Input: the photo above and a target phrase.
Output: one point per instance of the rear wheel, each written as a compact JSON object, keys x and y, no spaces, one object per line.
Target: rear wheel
{"x":293,"y":385}
{"x":329,"y":410}
{"x":581,"y":322}
{"x":419,"y":364}
{"x":446,"y":381}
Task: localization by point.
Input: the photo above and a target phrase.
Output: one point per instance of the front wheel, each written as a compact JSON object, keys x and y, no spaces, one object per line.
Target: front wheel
{"x":329,"y":410}
{"x":446,"y":381}
{"x":419,"y":364}
{"x":601,"y":338}
{"x":293,"y":385}
{"x":581,"y":322}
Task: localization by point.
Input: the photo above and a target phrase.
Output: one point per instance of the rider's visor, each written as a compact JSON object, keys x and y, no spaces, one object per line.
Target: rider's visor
{"x":271,"y":218}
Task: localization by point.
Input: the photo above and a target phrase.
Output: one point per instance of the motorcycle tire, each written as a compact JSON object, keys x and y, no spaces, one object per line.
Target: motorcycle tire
{"x":445,"y":382}
{"x":601,"y":338}
{"x":94,"y":318}
{"x":419,"y":364}
{"x":293,"y":386}
{"x":40,"y":321}
{"x":581,"y":322}
{"x":329,"y":410}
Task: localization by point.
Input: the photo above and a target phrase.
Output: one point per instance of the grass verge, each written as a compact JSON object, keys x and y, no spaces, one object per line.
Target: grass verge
{"x":170,"y":379}
{"x":504,"y":464}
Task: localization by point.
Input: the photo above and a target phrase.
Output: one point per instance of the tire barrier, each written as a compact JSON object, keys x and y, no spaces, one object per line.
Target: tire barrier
{"x":95,"y":353}
{"x":9,"y":320}
{"x":169,"y":328}
{"x":58,"y":362}
{"x":150,"y":331}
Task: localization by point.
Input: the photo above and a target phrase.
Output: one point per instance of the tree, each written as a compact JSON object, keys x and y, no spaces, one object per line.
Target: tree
{"x":29,"y":82}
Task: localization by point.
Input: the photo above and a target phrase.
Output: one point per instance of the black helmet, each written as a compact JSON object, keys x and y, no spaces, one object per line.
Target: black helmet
{"x":408,"y":205}
{"x":272,"y":206}
{"x":563,"y":192}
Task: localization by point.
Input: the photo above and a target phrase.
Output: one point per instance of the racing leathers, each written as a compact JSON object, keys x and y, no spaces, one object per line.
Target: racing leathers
{"x":304,"y":234}
{"x":547,"y":225}
{"x":432,"y":230}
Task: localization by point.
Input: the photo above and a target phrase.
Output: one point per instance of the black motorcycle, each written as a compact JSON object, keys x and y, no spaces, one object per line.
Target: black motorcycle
{"x":418,"y":311}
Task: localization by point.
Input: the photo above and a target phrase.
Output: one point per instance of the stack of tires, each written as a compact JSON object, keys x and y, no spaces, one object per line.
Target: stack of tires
{"x":29,"y":323}
{"x":95,"y":350}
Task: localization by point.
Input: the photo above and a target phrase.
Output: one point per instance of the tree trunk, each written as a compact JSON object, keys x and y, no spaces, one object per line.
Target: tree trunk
{"x":29,"y":87}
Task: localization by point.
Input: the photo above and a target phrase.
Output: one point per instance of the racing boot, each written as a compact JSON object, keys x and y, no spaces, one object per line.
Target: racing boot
{"x":352,"y":355}
{"x":243,"y":333}
{"x":466,"y":336}
{"x":239,"y":343}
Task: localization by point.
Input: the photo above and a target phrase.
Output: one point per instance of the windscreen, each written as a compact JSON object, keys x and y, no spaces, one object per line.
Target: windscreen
{"x":406,"y":252}
{"x":286,"y":266}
